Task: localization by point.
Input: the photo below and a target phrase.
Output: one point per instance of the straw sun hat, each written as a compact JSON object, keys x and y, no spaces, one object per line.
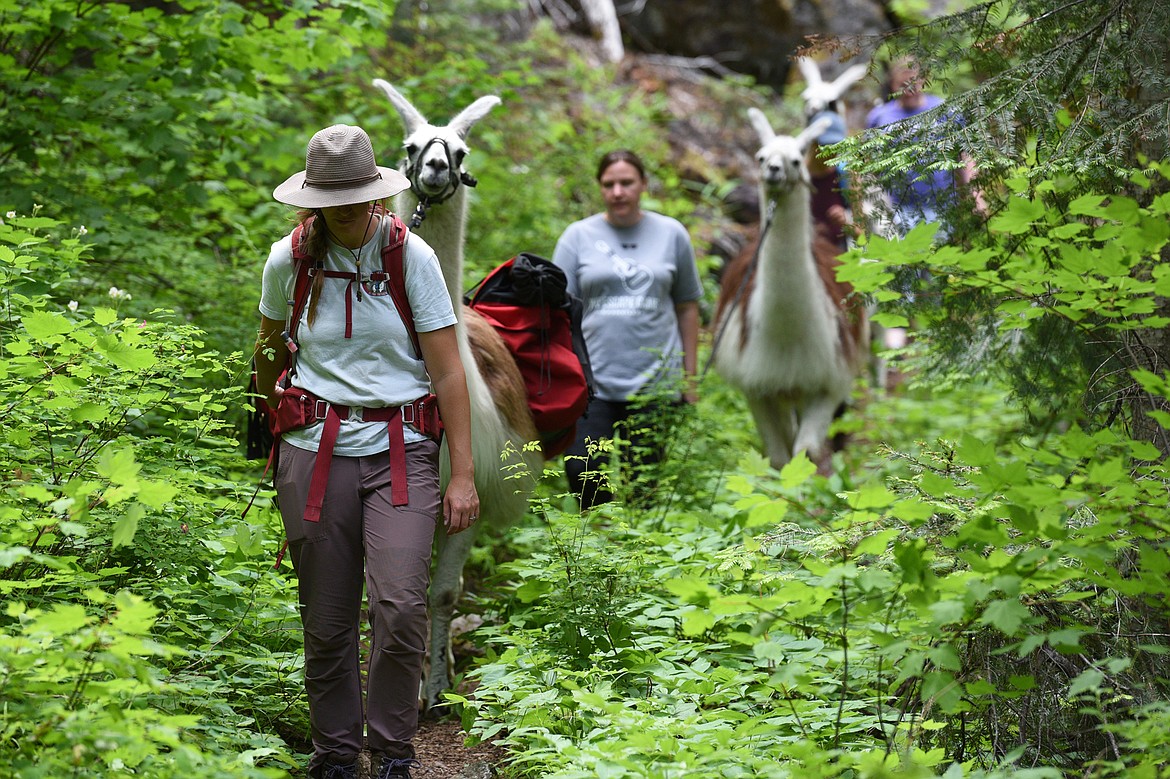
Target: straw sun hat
{"x":340,"y":170}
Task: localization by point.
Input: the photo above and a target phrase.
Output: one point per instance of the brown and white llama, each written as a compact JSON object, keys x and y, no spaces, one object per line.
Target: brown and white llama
{"x":505,"y":473}
{"x":792,"y":338}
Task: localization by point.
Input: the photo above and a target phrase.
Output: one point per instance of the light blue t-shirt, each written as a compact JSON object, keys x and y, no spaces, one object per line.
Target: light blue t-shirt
{"x":630,"y":279}
{"x":376,"y":366}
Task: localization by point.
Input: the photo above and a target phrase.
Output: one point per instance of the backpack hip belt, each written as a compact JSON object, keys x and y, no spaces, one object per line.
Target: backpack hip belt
{"x":422,"y":412}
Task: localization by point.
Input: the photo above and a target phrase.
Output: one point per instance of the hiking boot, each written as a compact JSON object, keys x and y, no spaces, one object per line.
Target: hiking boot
{"x":339,"y":771}
{"x":395,"y":768}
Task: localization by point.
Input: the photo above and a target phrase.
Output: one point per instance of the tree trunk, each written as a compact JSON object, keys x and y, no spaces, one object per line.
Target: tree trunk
{"x":603,"y":21}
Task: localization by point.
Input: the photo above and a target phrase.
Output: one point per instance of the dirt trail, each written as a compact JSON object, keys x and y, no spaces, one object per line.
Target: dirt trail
{"x":439,"y":747}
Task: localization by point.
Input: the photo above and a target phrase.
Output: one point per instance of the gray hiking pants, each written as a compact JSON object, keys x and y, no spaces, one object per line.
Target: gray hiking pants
{"x":361,"y":532}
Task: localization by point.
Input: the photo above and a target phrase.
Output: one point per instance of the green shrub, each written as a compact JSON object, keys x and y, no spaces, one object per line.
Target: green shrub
{"x":125,"y":574}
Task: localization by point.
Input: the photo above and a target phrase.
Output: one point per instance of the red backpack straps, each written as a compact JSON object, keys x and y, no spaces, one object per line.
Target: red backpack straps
{"x":302,"y":278}
{"x":394,"y":267}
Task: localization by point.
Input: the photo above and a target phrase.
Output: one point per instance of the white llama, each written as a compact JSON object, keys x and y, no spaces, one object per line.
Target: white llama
{"x":501,"y":422}
{"x":870,"y":204}
{"x":820,"y":95}
{"x":790,"y":336}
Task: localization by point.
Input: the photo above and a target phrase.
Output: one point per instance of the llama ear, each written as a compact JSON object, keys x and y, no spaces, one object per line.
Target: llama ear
{"x":812,"y":131}
{"x":463,"y":121}
{"x":411,"y":118}
{"x":809,"y":69}
{"x":847,"y":79}
{"x":760,"y":123}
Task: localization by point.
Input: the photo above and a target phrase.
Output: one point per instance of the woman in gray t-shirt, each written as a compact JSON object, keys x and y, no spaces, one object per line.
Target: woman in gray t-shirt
{"x":635,"y":272}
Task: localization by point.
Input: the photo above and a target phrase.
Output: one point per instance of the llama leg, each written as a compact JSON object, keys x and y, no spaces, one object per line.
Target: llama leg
{"x":446,"y":587}
{"x":812,"y":435}
{"x":776,"y":423}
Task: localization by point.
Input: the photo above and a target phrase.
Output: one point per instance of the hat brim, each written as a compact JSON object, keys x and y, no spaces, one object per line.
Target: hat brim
{"x":295,"y":193}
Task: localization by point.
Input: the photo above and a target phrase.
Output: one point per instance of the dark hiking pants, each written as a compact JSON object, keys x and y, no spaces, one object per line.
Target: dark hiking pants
{"x":362,"y":540}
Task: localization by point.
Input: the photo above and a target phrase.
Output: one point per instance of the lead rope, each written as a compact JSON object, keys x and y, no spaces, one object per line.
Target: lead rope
{"x":739,"y":292}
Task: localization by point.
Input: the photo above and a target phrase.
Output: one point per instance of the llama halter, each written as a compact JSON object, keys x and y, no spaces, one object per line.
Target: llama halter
{"x":455,"y":176}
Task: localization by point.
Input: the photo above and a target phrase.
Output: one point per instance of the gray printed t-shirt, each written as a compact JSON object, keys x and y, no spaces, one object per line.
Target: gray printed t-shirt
{"x":630,"y":279}
{"x":376,"y":366}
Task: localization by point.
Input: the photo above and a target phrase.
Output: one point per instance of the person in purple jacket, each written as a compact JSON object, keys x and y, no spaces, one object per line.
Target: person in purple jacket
{"x":919,"y":195}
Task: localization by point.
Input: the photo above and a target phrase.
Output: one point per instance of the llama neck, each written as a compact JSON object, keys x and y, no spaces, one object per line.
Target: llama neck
{"x":788,"y":290}
{"x":786,"y":254}
{"x":443,"y":230}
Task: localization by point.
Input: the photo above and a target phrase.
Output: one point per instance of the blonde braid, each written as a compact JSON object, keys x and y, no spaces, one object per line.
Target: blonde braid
{"x":316,"y":241}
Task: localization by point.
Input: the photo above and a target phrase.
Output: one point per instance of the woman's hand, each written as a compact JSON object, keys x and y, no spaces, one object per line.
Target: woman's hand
{"x":460,"y":504}
{"x":274,"y":397}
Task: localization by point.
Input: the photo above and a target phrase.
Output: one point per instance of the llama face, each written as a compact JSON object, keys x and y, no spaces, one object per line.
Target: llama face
{"x":781,"y":157}
{"x":782,"y":164}
{"x":819,"y":94}
{"x":434,"y":157}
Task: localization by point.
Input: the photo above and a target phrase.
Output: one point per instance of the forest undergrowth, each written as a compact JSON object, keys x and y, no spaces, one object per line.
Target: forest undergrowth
{"x":979,"y":591}
{"x":962,"y":598}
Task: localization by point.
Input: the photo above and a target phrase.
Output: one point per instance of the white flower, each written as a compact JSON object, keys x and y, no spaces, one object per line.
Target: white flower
{"x":115,"y":293}
{"x":72,"y":305}
{"x":11,"y":215}
{"x":82,"y":231}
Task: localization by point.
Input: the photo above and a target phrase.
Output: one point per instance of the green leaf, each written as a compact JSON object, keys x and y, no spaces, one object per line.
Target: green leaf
{"x":948,"y":611}
{"x":1088,"y":681}
{"x":1006,"y":615}
{"x":37,"y":492}
{"x":890,"y":319}
{"x":797,"y":471}
{"x":1088,"y":205}
{"x":692,"y":589}
{"x":945,"y":657}
{"x":1019,"y":216}
{"x":875,"y":543}
{"x":871,"y":496}
{"x":61,"y":620}
{"x":1151,"y":382}
{"x":119,"y":466}
{"x":156,"y":494}
{"x":135,"y":615}
{"x":47,"y":326}
{"x":697,"y":621}
{"x":121,"y":354}
{"x":942,"y":688}
{"x":768,"y":512}
{"x":975,"y":451}
{"x":127,"y":525}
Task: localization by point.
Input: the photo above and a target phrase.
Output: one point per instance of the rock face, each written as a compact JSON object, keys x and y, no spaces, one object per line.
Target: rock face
{"x":753,"y":37}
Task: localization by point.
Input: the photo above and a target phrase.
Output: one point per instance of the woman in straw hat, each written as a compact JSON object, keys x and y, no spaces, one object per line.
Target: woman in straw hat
{"x":378,"y":497}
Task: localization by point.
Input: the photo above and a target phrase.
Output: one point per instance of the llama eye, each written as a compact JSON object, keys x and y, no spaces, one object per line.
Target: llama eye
{"x":411,"y":149}
{"x":459,"y":155}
